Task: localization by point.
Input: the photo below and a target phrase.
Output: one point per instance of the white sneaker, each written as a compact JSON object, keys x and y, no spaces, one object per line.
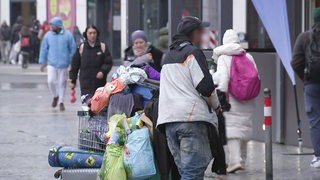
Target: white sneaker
{"x":234,"y":168}
{"x":315,"y":162}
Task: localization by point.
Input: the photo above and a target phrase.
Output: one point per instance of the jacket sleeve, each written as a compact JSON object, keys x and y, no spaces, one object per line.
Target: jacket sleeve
{"x":72,"y":47}
{"x":201,"y":76}
{"x":75,"y":66}
{"x":223,"y":74}
{"x":44,"y":51}
{"x":107,"y":63}
{"x":298,"y":57}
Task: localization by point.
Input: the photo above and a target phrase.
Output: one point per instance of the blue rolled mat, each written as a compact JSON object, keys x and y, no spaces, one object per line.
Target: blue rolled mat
{"x":71,"y":157}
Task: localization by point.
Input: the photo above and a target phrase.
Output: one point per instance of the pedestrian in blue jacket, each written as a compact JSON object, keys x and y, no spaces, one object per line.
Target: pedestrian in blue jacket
{"x":57,"y":49}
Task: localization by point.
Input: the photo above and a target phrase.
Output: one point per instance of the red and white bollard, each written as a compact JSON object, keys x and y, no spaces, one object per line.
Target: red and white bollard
{"x":268,"y":133}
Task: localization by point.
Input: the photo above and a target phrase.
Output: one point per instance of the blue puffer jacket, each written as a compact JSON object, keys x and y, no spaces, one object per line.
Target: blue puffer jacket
{"x":57,"y":49}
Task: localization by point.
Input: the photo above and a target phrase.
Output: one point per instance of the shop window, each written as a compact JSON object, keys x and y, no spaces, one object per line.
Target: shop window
{"x":257,"y":36}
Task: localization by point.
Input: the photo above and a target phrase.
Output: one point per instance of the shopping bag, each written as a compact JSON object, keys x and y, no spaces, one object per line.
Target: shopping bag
{"x":102,"y":95}
{"x":138,"y":155}
{"x":112,"y":166}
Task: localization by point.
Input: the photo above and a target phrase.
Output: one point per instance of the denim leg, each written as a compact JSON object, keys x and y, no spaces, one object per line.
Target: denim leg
{"x":189,"y":145}
{"x":312,"y":107}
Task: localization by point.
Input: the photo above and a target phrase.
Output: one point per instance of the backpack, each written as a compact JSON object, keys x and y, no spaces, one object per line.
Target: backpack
{"x":102,"y":46}
{"x":25,"y":41}
{"x":244,"y":81}
{"x":312,"y":64}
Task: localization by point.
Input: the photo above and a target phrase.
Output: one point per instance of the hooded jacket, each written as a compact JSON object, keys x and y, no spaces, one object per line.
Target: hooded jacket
{"x":185,"y":82}
{"x":57,"y":49}
{"x":239,"y":118}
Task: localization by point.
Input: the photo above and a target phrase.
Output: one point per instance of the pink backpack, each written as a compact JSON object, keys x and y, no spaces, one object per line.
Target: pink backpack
{"x":244,"y":81}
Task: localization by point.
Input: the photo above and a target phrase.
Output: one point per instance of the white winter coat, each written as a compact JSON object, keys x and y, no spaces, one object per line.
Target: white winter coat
{"x":239,"y":118}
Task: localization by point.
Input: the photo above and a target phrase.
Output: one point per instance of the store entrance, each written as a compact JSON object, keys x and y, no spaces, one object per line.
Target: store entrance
{"x":24,"y":8}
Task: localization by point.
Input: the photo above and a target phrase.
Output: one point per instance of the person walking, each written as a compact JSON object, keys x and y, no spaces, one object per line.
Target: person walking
{"x":306,"y":64}
{"x":94,"y":61}
{"x":239,"y":118}
{"x":15,"y":37}
{"x":5,"y":43}
{"x":186,"y":90}
{"x":57,"y":49}
{"x":35,"y":41}
{"x":25,"y":43}
{"x":141,"y":52}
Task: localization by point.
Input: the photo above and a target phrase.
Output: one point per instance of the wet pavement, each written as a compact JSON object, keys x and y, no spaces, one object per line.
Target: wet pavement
{"x":29,"y":127}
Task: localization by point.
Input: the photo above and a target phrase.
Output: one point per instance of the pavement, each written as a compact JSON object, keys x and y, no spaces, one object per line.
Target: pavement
{"x":29,"y":127}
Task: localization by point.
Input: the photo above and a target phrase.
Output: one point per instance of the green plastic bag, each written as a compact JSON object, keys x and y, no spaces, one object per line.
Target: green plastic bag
{"x":112,"y":167}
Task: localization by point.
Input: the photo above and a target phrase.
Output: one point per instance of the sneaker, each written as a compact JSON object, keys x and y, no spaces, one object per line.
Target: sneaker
{"x":62,"y":108}
{"x":55,"y":101}
{"x":234,"y":168}
{"x":315,"y":162}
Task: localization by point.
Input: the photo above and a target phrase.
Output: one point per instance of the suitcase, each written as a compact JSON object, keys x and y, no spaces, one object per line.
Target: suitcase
{"x":77,"y":174}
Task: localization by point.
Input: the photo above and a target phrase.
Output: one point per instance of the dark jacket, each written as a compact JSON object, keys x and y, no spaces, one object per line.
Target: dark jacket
{"x":298,"y":62}
{"x":90,"y":62}
{"x":16,"y":28}
{"x":156,"y":55}
{"x":5,"y":33}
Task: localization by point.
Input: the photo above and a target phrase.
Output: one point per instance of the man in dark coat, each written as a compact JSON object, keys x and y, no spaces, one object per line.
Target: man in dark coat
{"x":300,"y":59}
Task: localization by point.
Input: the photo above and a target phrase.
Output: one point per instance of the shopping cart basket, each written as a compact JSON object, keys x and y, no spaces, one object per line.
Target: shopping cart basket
{"x":92,"y":131}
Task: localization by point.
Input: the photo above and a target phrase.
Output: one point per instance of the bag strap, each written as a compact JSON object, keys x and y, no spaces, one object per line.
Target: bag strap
{"x":102,"y":46}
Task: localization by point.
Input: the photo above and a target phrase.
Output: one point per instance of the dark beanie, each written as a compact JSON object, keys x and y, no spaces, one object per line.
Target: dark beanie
{"x":316,"y":15}
{"x":138,"y":34}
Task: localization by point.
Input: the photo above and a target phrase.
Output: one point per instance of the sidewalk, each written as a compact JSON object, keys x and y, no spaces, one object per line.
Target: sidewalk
{"x":29,"y":127}
{"x":285,"y":167}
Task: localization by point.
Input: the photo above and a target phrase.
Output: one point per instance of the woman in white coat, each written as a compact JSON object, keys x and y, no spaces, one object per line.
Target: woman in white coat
{"x":239,"y":118}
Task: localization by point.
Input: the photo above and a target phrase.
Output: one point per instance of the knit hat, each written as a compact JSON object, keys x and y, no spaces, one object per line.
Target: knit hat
{"x":316,"y":15}
{"x":230,"y":36}
{"x":139,"y":34}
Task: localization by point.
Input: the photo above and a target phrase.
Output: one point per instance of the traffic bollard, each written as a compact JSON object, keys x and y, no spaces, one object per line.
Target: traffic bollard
{"x":268,"y":133}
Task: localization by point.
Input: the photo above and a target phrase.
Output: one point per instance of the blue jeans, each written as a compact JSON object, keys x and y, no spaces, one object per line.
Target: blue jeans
{"x":312,"y":108}
{"x":189,"y":145}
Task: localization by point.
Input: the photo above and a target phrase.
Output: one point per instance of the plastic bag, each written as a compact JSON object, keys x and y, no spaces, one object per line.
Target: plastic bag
{"x":118,"y":129}
{"x":112,"y":166}
{"x":130,"y":75}
{"x":102,"y":95}
{"x":138,"y":155}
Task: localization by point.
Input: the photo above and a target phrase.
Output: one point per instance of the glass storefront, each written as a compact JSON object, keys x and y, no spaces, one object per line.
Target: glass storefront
{"x":24,"y":8}
{"x":105,"y":14}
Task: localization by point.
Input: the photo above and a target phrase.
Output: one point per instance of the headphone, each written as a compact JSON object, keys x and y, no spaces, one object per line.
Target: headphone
{"x":84,"y":34}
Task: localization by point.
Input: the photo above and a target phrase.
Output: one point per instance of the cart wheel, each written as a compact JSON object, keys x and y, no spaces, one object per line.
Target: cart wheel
{"x":57,"y":175}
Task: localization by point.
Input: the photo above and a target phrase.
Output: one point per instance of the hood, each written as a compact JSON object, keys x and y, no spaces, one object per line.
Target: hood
{"x":230,"y":36}
{"x":57,"y":22}
{"x":227,"y":49}
{"x":163,"y":31}
{"x":179,"y":39}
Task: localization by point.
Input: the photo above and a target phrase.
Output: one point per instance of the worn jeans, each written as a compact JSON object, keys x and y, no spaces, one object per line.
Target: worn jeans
{"x":312,"y":108}
{"x":189,"y":145}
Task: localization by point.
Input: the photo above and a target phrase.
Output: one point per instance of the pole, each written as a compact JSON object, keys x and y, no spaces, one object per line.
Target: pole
{"x":298,"y":120}
{"x":268,"y":133}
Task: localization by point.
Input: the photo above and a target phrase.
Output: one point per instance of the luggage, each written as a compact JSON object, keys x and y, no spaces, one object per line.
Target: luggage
{"x":70,"y":157}
{"x":77,"y":174}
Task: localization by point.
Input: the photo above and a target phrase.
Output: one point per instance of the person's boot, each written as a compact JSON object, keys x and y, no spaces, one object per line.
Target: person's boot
{"x":62,"y":108}
{"x":55,"y":101}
